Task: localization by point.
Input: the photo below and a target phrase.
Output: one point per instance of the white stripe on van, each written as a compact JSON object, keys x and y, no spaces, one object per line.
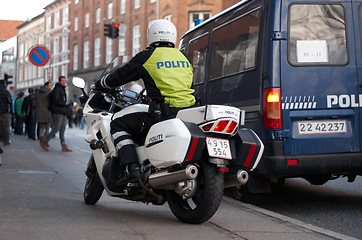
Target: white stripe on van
{"x":298,"y":102}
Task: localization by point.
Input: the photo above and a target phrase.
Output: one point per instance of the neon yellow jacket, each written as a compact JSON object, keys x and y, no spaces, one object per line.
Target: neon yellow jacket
{"x":166,"y":73}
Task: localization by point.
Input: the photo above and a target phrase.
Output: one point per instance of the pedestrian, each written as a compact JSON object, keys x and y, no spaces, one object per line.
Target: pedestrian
{"x":168,"y":87}
{"x":29,"y":106}
{"x":5,"y":108}
{"x":19,"y":114}
{"x":43,"y":116}
{"x":59,"y":108}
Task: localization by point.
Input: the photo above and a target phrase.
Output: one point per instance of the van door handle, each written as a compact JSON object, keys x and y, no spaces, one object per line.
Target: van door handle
{"x":360,"y":85}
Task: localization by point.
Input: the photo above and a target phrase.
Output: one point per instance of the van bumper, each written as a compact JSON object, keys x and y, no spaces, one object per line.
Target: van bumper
{"x":276,"y":164}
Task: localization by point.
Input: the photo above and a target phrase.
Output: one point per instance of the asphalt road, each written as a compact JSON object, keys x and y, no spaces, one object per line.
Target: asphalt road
{"x":336,"y":206}
{"x":41,"y":198}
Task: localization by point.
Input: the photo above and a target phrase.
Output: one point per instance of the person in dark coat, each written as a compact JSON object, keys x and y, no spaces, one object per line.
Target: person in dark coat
{"x":5,"y":106}
{"x":43,"y":116}
{"x":59,"y":107}
{"x":29,"y":106}
{"x":19,"y":114}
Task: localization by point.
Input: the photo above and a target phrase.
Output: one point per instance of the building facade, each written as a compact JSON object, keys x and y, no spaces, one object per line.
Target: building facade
{"x":30,"y":33}
{"x":73,"y":32}
{"x":90,"y":50}
{"x":57,"y":29}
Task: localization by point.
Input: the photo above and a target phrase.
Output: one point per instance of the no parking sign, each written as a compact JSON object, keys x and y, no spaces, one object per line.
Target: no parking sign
{"x":39,"y":55}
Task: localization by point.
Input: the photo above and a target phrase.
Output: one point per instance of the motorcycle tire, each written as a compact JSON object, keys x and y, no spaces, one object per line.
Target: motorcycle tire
{"x":203,"y":205}
{"x":93,"y":188}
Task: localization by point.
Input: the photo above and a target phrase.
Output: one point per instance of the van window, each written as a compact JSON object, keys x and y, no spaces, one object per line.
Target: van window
{"x":197,"y":51}
{"x":317,"y":35}
{"x":234,"y":46}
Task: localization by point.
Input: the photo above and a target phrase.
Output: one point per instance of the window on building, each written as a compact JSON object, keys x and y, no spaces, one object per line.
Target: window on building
{"x":86,"y":54}
{"x":87,"y":15}
{"x":197,"y":53}
{"x":122,"y":47}
{"x":317,"y":35}
{"x":136,"y":36}
{"x":75,"y":24}
{"x":56,"y":46}
{"x":234,"y":46}
{"x":152,"y":1}
{"x":65,"y":15}
{"x":137,"y":4}
{"x":49,"y":23}
{"x":56,"y":19}
{"x":75,"y":57}
{"x":168,"y":17}
{"x":109,"y":44}
{"x":193,"y":16}
{"x":97,"y":52}
{"x":98,"y":15}
{"x":65,"y":43}
{"x":123,"y":6}
{"x":110,"y":8}
{"x":76,"y":2}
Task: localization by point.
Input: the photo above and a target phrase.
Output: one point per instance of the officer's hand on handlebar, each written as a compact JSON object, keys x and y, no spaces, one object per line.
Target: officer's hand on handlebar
{"x":98,"y":86}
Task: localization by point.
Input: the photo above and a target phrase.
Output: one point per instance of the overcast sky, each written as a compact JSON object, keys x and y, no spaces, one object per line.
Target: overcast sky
{"x":21,"y":9}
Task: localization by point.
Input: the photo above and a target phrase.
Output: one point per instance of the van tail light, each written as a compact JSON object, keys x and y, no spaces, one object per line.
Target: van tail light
{"x":272,"y":108}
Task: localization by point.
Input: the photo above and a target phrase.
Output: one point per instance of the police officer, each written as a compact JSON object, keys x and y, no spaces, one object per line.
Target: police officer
{"x":167,"y":75}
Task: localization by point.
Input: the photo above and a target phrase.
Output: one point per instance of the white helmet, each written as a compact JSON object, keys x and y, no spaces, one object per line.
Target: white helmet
{"x":162,"y":30}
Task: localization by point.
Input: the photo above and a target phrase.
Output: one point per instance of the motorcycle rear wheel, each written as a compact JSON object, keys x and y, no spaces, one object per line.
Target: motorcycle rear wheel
{"x":93,"y":188}
{"x":208,"y":196}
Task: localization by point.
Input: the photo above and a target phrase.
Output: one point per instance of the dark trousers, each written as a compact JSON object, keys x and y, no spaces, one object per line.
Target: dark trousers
{"x":30,"y":126}
{"x":128,"y":130}
{"x":5,"y":127}
{"x":19,"y":125}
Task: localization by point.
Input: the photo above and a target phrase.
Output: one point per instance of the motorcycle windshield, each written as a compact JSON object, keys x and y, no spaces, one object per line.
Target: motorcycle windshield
{"x":113,"y":65}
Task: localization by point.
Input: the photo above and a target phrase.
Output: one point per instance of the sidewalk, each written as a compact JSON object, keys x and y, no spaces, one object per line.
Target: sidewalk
{"x":39,"y":191}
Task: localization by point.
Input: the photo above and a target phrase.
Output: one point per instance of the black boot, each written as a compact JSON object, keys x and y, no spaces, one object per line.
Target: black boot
{"x":133,"y":174}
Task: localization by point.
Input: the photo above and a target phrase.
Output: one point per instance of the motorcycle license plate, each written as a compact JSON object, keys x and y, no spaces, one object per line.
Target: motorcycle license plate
{"x":219,"y":148}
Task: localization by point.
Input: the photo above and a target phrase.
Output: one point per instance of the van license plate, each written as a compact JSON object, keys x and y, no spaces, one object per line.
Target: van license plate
{"x":320,"y":127}
{"x":219,"y":148}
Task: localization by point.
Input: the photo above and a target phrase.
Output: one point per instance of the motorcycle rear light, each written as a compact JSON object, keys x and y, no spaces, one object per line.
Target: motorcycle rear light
{"x":221,"y":126}
{"x":231,"y":127}
{"x":224,"y":169}
{"x":207,"y":127}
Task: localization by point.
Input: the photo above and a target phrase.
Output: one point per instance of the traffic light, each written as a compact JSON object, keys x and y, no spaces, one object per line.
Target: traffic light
{"x":108,"y":30}
{"x":115,"y":29}
{"x":6,"y":78}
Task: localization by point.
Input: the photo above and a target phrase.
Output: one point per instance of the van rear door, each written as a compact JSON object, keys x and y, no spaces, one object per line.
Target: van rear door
{"x":357,"y":20}
{"x":319,"y":78}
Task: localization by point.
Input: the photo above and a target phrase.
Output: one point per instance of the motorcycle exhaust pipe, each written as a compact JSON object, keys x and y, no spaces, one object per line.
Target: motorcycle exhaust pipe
{"x":240,"y":178}
{"x":164,"y":178}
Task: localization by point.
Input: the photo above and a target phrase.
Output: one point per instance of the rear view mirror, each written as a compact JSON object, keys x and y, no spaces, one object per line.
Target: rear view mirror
{"x":78,"y":82}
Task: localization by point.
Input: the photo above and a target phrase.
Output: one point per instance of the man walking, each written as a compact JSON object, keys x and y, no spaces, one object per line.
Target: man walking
{"x":42,"y":115}
{"x":59,"y":109}
{"x":5,"y":106}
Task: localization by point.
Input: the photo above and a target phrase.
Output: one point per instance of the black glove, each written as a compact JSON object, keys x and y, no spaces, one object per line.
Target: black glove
{"x":98,"y":86}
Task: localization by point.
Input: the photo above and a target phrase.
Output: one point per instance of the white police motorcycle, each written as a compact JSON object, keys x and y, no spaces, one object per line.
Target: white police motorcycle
{"x":186,"y":161}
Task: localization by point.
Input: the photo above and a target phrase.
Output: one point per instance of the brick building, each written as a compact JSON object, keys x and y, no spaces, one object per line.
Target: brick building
{"x":90,"y":50}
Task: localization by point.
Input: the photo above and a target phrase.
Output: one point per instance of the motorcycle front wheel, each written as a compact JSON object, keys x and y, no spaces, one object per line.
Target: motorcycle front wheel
{"x":203,"y":205}
{"x":93,"y":187}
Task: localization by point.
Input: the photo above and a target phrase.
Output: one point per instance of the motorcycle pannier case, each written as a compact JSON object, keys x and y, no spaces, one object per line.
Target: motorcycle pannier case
{"x":248,"y":149}
{"x":172,"y":142}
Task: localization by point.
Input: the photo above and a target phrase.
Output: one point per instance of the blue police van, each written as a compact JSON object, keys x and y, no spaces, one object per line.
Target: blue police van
{"x":295,"y":67}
